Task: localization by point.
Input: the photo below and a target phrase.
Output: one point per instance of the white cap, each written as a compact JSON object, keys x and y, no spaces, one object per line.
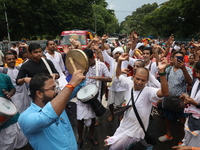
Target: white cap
{"x":118,"y":49}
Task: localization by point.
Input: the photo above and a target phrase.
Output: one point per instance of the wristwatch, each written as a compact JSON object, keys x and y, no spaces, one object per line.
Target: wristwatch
{"x":198,"y":106}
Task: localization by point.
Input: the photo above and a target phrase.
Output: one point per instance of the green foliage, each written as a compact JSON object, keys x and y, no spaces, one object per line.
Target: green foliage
{"x":36,"y":18}
{"x":180,"y":17}
{"x":136,"y":20}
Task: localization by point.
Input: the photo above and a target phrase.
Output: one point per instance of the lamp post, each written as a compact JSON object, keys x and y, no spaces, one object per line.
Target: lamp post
{"x":7,"y":25}
{"x":95,"y":18}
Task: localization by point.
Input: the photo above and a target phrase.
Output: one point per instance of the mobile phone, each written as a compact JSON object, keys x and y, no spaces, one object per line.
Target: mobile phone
{"x":179,"y":58}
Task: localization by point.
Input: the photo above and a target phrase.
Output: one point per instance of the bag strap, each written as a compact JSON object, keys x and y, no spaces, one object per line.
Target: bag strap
{"x":47,"y":65}
{"x":135,"y":110}
{"x":150,"y":66}
{"x":169,"y":72}
{"x":97,"y":71}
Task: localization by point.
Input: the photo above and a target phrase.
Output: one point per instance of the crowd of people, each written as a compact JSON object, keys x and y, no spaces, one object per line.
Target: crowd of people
{"x":133,"y":72}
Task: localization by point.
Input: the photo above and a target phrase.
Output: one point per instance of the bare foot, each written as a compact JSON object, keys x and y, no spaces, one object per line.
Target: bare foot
{"x":96,"y":123}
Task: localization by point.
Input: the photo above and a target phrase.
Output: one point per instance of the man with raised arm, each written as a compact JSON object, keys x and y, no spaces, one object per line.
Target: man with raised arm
{"x":45,"y":123}
{"x":130,"y":131}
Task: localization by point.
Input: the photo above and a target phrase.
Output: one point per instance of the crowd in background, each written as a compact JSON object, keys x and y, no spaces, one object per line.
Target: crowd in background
{"x":172,"y":69}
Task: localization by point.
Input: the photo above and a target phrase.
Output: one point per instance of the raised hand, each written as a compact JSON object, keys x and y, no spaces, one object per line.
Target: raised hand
{"x":104,"y":37}
{"x":126,"y":71}
{"x":123,"y":57}
{"x":162,"y":64}
{"x":65,"y":49}
{"x":170,"y":40}
{"x":180,"y":64}
{"x":134,"y":34}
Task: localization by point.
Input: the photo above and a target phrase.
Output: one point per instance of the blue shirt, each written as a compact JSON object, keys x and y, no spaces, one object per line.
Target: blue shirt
{"x":46,"y":130}
{"x":176,"y":81}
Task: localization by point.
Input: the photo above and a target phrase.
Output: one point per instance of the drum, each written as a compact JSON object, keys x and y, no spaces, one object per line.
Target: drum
{"x":79,"y":61}
{"x":88,"y":94}
{"x":7,"y":110}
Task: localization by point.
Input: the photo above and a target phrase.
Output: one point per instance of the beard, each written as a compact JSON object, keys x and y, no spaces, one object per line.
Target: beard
{"x":47,"y":99}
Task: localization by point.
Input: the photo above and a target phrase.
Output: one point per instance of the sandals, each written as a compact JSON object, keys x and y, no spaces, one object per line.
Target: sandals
{"x":93,"y":140}
{"x":165,"y":138}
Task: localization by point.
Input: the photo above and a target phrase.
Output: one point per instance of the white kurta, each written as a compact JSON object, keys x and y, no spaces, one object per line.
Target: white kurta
{"x":59,"y":65}
{"x":20,"y":98}
{"x":129,"y":124}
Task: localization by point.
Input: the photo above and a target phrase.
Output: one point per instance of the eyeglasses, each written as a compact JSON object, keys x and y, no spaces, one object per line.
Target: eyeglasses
{"x":55,"y":89}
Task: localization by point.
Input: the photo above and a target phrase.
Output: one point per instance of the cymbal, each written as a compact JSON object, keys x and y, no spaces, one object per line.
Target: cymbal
{"x":79,"y":61}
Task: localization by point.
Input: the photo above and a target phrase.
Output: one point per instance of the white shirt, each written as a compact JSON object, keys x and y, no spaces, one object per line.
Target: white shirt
{"x":129,"y":124}
{"x":59,"y":65}
{"x":102,"y":70}
{"x":154,"y":68}
{"x":20,"y":98}
{"x":1,"y":55}
{"x":57,"y":61}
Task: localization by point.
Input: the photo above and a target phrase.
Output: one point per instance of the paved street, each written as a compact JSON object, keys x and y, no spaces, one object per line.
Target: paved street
{"x":156,"y":129}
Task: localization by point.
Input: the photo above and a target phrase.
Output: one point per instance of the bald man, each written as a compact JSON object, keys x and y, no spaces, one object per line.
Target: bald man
{"x":130,"y":131}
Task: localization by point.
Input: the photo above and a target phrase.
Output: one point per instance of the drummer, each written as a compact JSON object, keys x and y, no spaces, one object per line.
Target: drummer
{"x":84,"y":111}
{"x":11,"y":137}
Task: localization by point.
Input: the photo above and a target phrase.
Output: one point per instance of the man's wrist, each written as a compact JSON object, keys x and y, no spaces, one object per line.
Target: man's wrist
{"x":162,"y":73}
{"x":70,"y":86}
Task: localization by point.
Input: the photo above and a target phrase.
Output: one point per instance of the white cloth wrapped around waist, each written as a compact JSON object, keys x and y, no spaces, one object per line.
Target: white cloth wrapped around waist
{"x":195,"y":96}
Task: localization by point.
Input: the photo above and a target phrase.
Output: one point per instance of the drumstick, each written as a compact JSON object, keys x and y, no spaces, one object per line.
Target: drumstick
{"x":72,"y":63}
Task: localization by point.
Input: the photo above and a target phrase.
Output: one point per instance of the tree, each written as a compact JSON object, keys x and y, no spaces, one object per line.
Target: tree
{"x":40,"y":18}
{"x":136,"y":20}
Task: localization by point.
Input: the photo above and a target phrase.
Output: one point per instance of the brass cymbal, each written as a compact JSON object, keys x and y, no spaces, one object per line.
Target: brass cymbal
{"x":79,"y":59}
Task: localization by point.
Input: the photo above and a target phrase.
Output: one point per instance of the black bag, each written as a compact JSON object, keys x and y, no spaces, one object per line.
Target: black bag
{"x":173,"y":103}
{"x":119,"y":110}
{"x":149,"y":139}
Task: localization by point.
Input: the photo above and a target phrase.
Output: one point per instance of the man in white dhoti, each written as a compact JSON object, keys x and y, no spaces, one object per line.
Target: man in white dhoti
{"x":130,"y":130}
{"x":192,"y":124}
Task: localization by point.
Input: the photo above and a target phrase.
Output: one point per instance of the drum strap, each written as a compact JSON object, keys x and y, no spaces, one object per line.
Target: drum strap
{"x":50,"y":71}
{"x":5,"y":70}
{"x":97,"y":71}
{"x":47,"y":65}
